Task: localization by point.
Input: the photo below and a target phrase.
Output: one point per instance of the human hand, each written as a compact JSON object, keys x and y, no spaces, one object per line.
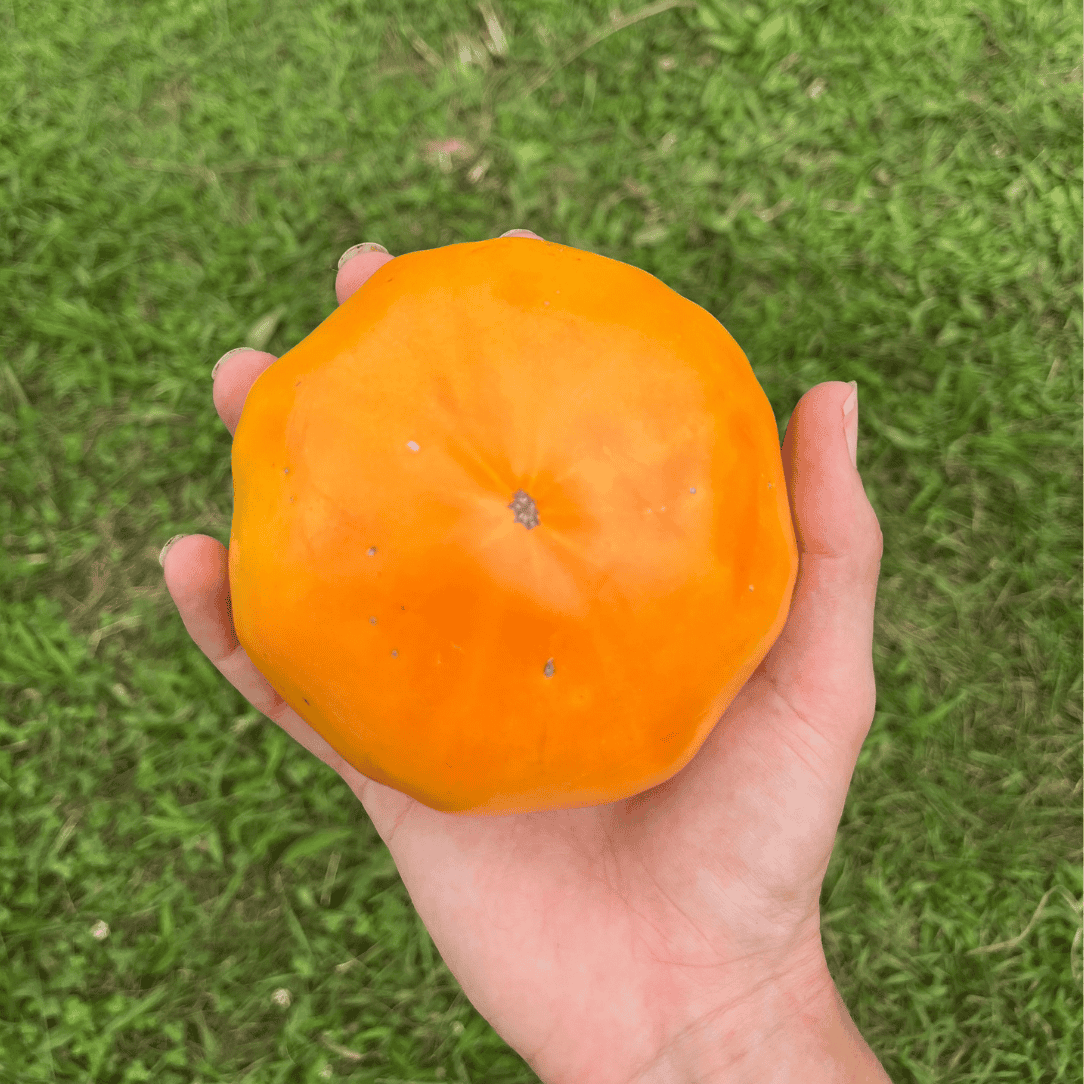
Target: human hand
{"x":674,"y":935}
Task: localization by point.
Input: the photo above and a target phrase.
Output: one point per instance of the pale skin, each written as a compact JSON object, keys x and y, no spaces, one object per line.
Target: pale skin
{"x":664,"y":937}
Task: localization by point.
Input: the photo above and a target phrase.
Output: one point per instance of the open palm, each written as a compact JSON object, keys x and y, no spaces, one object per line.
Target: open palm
{"x":653,"y":937}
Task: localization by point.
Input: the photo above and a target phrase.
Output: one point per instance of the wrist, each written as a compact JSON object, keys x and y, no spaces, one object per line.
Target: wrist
{"x":792,"y":1036}
{"x":822,"y":1045}
{"x":815,"y":1042}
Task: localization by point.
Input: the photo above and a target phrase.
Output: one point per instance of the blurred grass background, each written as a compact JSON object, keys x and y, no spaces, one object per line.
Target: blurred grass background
{"x":884,"y":193}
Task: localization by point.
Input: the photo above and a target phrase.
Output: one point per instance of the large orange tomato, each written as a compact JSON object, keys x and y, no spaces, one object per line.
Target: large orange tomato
{"x":510,"y":527}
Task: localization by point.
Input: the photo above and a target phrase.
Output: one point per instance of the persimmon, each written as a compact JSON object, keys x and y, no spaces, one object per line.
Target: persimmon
{"x":510,"y":527}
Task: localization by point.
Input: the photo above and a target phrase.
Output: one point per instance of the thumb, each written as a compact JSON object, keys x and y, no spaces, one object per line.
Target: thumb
{"x":822,"y":662}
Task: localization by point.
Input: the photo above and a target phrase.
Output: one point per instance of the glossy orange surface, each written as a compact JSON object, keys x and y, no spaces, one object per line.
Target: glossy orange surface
{"x":510,"y":527}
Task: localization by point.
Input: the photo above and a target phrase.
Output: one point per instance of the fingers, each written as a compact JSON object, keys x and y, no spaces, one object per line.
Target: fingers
{"x":237,"y":373}
{"x":197,"y":579}
{"x":824,"y":656}
{"x":359,"y":267}
{"x":234,"y":380}
{"x":833,"y":517}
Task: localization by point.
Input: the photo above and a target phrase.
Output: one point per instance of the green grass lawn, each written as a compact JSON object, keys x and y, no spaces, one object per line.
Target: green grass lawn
{"x":884,"y":193}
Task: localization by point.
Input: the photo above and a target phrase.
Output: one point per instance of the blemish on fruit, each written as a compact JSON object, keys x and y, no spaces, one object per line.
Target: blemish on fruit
{"x":524,"y":507}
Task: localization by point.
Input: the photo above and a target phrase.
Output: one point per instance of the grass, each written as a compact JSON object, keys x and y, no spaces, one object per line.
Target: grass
{"x":890,"y":194}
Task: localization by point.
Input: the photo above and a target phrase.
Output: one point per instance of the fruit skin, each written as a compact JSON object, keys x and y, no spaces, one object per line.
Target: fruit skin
{"x":386,"y":574}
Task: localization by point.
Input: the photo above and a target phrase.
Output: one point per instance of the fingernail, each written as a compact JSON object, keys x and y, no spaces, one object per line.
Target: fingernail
{"x":850,"y":422}
{"x":227,"y":354}
{"x":365,"y":246}
{"x":168,"y":546}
